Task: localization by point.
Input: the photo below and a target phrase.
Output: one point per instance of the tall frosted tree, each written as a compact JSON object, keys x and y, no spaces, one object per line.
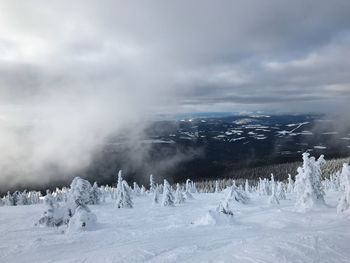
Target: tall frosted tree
{"x":187,"y":193}
{"x":246,"y":186}
{"x":344,"y":201}
{"x":8,"y":199}
{"x":168,"y":198}
{"x":290,"y":186}
{"x":124,"y":199}
{"x":156,"y":195}
{"x":152,"y":185}
{"x":95,"y":195}
{"x":136,"y":189}
{"x":119,"y":185}
{"x":308,"y":187}
{"x":217,"y":186}
{"x":280,"y":192}
{"x":179,"y":198}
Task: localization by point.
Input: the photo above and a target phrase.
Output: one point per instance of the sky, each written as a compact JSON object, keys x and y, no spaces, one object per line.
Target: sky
{"x":73,"y":72}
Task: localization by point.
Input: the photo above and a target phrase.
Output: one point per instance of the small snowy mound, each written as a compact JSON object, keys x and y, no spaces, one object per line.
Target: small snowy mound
{"x":234,"y":194}
{"x":214,"y":217}
{"x":188,"y":196}
{"x":273,"y":200}
{"x":83,"y":219}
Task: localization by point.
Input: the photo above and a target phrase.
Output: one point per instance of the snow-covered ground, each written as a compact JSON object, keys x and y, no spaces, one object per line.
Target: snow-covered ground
{"x":150,"y":233}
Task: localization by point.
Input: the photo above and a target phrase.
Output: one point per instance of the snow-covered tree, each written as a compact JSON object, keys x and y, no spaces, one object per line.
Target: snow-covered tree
{"x":226,"y":205}
{"x":188,"y":185}
{"x":95,"y":195}
{"x":273,"y":199}
{"x":217,"y":186}
{"x":344,"y":201}
{"x":152,"y":185}
{"x":119,"y":185}
{"x":54,"y":215}
{"x":80,"y":189}
{"x":234,"y":194}
{"x":308,"y":185}
{"x":187,"y":194}
{"x":124,"y":199}
{"x":290,"y":186}
{"x":194,"y":188}
{"x":280,"y":192}
{"x":179,"y":198}
{"x":156,"y":195}
{"x":143,"y":190}
{"x":83,"y":219}
{"x":168,"y":198}
{"x":8,"y":200}
{"x":246,"y":186}
{"x":136,"y":189}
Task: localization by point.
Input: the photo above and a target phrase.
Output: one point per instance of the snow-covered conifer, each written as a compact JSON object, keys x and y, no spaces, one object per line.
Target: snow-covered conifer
{"x":143,"y":190}
{"x":179,"y":198}
{"x":136,"y":189}
{"x":95,"y":195}
{"x":54,"y":215}
{"x":308,"y":185}
{"x":8,"y":199}
{"x":344,"y":201}
{"x":124,"y":199}
{"x":290,"y":186}
{"x":168,"y":198}
{"x":246,"y":186}
{"x":156,"y":195}
{"x":236,"y":195}
{"x":83,"y":219}
{"x":217,"y":186}
{"x":280,"y":192}
{"x":119,"y":185}
{"x":273,"y":199}
{"x":152,"y":185}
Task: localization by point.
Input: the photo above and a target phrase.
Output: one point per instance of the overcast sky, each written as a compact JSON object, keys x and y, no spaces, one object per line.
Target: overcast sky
{"x":179,"y":55}
{"x":74,"y":72}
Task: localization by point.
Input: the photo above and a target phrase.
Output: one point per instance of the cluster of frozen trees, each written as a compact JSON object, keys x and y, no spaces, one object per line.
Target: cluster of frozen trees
{"x":308,"y":189}
{"x":68,"y":207}
{"x":21,"y":198}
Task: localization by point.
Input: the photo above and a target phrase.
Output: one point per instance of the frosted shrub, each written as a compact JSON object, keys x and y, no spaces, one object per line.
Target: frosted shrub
{"x":54,"y":214}
{"x":233,"y":193}
{"x":83,"y":219}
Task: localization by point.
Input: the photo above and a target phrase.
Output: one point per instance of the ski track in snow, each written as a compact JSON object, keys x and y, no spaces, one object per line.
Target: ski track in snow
{"x":148,"y":233}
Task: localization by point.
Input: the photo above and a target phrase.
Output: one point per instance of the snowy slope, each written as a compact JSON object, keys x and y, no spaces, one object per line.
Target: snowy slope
{"x":148,"y":233}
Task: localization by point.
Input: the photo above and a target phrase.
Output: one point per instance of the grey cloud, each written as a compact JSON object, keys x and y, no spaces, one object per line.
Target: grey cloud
{"x":72,"y":73}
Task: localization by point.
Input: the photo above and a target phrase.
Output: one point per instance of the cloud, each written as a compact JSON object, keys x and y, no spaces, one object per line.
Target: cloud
{"x":72,"y":73}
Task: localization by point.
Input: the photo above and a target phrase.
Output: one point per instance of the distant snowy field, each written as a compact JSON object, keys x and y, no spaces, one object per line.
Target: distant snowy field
{"x":151,"y":233}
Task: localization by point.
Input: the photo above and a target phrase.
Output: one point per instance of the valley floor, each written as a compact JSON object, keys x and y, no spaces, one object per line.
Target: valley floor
{"x":148,"y":233}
